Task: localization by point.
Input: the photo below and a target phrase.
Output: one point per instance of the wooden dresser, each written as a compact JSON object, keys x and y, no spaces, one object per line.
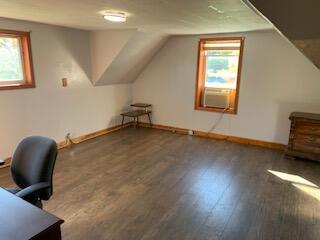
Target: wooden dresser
{"x":304,"y":139}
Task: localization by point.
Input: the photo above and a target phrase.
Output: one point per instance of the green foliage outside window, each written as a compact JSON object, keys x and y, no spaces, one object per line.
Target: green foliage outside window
{"x":221,"y":68}
{"x":10,"y":59}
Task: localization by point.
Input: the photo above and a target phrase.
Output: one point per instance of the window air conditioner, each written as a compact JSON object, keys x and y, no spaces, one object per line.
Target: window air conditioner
{"x":215,"y":97}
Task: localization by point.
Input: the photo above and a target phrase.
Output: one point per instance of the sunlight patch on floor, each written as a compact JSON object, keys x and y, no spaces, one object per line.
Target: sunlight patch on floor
{"x":292,"y":178}
{"x":312,"y":191}
{"x":299,"y":182}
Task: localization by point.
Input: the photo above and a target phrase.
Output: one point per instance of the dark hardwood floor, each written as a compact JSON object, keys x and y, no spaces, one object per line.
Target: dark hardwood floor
{"x":152,"y":184}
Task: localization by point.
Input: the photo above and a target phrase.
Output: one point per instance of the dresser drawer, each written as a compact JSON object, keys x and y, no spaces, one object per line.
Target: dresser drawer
{"x":304,"y":138}
{"x":307,"y":148}
{"x":313,"y":129}
{"x":312,"y":140}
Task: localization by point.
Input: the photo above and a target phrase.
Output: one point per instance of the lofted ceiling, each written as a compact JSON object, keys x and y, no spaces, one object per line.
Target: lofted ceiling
{"x":165,"y":16}
{"x":118,"y":56}
{"x":132,"y":58}
{"x":120,"y":51}
{"x":297,"y":21}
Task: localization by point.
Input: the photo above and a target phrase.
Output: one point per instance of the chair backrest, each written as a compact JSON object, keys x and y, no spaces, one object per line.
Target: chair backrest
{"x":33,"y":162}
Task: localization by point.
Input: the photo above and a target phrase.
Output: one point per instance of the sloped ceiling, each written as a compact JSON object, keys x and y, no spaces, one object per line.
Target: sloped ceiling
{"x":105,"y":47}
{"x":130,"y":59}
{"x":297,"y":20}
{"x":120,"y":51}
{"x":166,"y":16}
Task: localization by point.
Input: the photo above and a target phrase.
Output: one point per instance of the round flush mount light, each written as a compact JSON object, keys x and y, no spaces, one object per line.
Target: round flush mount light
{"x":115,"y":17}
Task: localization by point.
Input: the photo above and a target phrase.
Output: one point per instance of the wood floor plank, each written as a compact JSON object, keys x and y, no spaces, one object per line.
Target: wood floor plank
{"x":140,"y":183}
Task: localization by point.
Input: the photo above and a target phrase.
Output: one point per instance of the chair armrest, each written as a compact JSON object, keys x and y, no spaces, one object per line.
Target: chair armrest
{"x":32,"y":189}
{"x":1,"y":162}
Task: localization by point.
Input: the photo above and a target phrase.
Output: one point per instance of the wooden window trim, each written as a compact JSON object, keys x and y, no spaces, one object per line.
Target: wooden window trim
{"x":200,"y":76}
{"x":29,"y":81}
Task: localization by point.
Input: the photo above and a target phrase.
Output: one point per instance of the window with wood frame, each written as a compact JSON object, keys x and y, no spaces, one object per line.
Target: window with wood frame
{"x":16,"y":70}
{"x":218,"y":77}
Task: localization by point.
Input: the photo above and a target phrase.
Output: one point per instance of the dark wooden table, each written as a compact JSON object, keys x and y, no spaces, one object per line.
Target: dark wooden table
{"x":141,"y":105}
{"x":141,"y":110}
{"x":135,"y":114}
{"x":19,"y":220}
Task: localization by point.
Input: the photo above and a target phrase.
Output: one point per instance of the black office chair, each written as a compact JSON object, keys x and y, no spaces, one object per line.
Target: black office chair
{"x":32,"y":169}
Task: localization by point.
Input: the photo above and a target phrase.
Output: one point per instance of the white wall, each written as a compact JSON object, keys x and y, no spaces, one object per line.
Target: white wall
{"x":276,"y":80}
{"x":50,"y":109}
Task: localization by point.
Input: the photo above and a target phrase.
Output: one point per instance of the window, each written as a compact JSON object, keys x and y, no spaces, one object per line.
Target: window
{"x":15,"y":60}
{"x":218,"y":77}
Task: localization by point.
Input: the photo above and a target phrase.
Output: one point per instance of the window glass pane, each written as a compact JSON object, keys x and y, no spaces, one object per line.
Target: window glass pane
{"x":10,"y":60}
{"x":222,"y":68}
{"x":222,"y":44}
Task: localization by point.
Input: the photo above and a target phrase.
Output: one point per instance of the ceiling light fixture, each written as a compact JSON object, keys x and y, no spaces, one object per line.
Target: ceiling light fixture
{"x":115,"y":17}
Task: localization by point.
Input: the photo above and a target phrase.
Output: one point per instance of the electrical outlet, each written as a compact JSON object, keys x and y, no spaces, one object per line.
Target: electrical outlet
{"x":68,"y":137}
{"x":190,"y":132}
{"x":64,"y":82}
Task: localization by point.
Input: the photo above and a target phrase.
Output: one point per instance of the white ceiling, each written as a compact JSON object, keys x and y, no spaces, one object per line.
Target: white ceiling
{"x":167,"y":16}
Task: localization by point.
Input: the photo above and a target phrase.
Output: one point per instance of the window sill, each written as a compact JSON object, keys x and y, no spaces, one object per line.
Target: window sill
{"x":13,"y":87}
{"x":212,"y":109}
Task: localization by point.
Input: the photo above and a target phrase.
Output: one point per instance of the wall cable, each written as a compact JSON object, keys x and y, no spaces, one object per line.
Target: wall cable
{"x":69,"y":139}
{"x":218,"y":121}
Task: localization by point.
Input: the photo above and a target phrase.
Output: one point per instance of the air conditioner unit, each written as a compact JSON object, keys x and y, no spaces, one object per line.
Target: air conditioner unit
{"x":215,"y":97}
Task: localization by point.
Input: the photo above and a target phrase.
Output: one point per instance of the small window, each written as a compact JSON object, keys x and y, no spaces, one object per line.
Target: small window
{"x":15,"y":60}
{"x":219,"y":70}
